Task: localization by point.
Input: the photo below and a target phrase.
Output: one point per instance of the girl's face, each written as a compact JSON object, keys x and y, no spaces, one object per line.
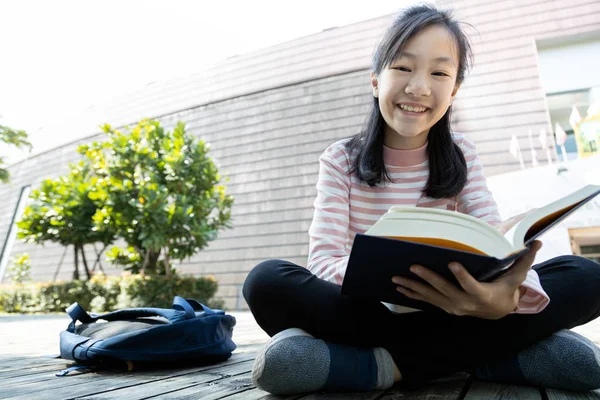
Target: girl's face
{"x":416,"y":89}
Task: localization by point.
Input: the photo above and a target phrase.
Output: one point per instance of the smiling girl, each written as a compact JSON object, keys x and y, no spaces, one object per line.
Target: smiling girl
{"x":514,"y":329}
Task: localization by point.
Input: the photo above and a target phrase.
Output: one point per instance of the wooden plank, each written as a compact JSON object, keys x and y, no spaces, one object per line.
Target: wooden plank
{"x":30,"y":370}
{"x":245,"y":231}
{"x":541,"y":17}
{"x":21,"y":363}
{"x":374,"y":395}
{"x":487,"y":390}
{"x":356,"y":106}
{"x":296,"y":113}
{"x":257,"y":394}
{"x":175,"y":387}
{"x":215,"y":269}
{"x":449,"y":388}
{"x":324,"y":132}
{"x":212,"y":390}
{"x":555,"y":394}
{"x":17,"y":378}
{"x":472,"y":104}
{"x":92,"y":383}
{"x":486,"y":19}
{"x":268,"y":239}
{"x":506,"y":111}
{"x":282,"y":101}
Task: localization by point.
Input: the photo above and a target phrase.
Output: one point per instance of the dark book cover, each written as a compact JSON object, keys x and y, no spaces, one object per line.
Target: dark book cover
{"x":375,"y":260}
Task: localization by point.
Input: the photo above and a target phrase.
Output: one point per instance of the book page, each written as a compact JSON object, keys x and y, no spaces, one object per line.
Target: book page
{"x":546,"y":221}
{"x":538,"y":221}
{"x":449,"y":244}
{"x":507,"y":225}
{"x":441,"y":228}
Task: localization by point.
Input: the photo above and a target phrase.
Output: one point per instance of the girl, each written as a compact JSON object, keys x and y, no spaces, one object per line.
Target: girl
{"x":514,"y":329}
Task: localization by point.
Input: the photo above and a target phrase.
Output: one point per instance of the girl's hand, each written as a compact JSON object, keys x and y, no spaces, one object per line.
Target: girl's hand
{"x":489,"y":300}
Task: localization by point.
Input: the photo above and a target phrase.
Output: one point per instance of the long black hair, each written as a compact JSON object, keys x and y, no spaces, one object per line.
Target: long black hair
{"x":447,"y":165}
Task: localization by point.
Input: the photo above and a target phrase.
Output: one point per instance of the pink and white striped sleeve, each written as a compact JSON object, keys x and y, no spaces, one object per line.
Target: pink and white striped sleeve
{"x":477,"y":200}
{"x":534,"y":299}
{"x":329,"y":230}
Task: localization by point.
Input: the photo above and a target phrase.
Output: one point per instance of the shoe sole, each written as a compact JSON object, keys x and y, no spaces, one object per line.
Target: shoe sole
{"x":259,"y":362}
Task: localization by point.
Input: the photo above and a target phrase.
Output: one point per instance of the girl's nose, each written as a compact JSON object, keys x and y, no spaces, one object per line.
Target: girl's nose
{"x":417,"y":87}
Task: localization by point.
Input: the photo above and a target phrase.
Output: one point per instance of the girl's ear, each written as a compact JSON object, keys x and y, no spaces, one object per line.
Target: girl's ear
{"x":455,"y":91}
{"x":374,"y":85}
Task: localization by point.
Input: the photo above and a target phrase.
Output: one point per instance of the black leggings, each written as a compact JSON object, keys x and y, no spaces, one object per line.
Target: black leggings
{"x":424,"y":345}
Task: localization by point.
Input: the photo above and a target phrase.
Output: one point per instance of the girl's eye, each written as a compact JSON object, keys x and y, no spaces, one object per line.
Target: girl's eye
{"x":405,"y":69}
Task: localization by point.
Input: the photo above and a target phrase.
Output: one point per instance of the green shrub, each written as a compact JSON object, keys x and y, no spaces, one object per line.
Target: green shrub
{"x":17,"y":298}
{"x":159,"y":290}
{"x":105,"y":293}
{"x":19,"y":270}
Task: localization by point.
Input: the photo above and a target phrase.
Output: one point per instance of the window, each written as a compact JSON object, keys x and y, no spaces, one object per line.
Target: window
{"x":560,"y":106}
{"x":592,"y":252}
{"x":585,"y":242}
{"x":580,"y":53}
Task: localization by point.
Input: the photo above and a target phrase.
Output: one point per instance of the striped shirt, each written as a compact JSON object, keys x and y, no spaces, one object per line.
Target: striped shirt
{"x":344,"y":206}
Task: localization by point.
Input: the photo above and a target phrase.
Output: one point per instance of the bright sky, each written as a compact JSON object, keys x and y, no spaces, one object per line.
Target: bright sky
{"x":61,"y":57}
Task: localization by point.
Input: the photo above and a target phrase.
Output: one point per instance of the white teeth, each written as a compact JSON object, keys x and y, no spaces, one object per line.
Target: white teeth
{"x":413,"y":109}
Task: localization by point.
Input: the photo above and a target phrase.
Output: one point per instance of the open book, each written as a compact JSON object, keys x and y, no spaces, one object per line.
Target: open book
{"x":405,"y":236}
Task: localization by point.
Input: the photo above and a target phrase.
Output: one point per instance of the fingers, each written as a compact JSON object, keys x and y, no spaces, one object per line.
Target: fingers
{"x":409,"y":293}
{"x":435,"y":280}
{"x":442,"y":285}
{"x":526,"y":261}
{"x":465,"y":279}
{"x":420,"y":291}
{"x":439,"y":292}
{"x":423,"y":292}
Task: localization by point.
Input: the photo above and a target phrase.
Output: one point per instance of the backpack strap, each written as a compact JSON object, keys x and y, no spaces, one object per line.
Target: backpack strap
{"x":179,"y":303}
{"x":77,"y":313}
{"x":193,"y":308}
{"x":182,"y":309}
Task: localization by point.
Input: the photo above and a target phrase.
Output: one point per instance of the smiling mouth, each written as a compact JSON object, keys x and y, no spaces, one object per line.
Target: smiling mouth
{"x":413,"y":110}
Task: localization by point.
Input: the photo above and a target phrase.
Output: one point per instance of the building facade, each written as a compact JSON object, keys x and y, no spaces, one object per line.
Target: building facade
{"x":269,"y":114}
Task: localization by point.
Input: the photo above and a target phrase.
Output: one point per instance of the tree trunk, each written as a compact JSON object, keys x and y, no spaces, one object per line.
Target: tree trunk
{"x":76,"y":270}
{"x":60,"y":263}
{"x":154,"y":255}
{"x":97,"y":261}
{"x":167,"y":262}
{"x":150,"y":260}
{"x":146,"y":260}
{"x":85,"y":264}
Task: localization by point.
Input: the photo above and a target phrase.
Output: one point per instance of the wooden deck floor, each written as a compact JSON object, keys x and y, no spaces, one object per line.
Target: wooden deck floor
{"x":26,"y":374}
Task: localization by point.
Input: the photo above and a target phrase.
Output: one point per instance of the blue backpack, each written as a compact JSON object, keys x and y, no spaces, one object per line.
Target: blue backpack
{"x":189,"y":331}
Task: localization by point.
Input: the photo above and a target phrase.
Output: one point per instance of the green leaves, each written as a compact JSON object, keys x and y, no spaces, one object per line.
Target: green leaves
{"x":62,"y":211}
{"x":20,"y":269}
{"x":17,"y":138}
{"x":158,"y":191}
{"x":105,"y":293}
